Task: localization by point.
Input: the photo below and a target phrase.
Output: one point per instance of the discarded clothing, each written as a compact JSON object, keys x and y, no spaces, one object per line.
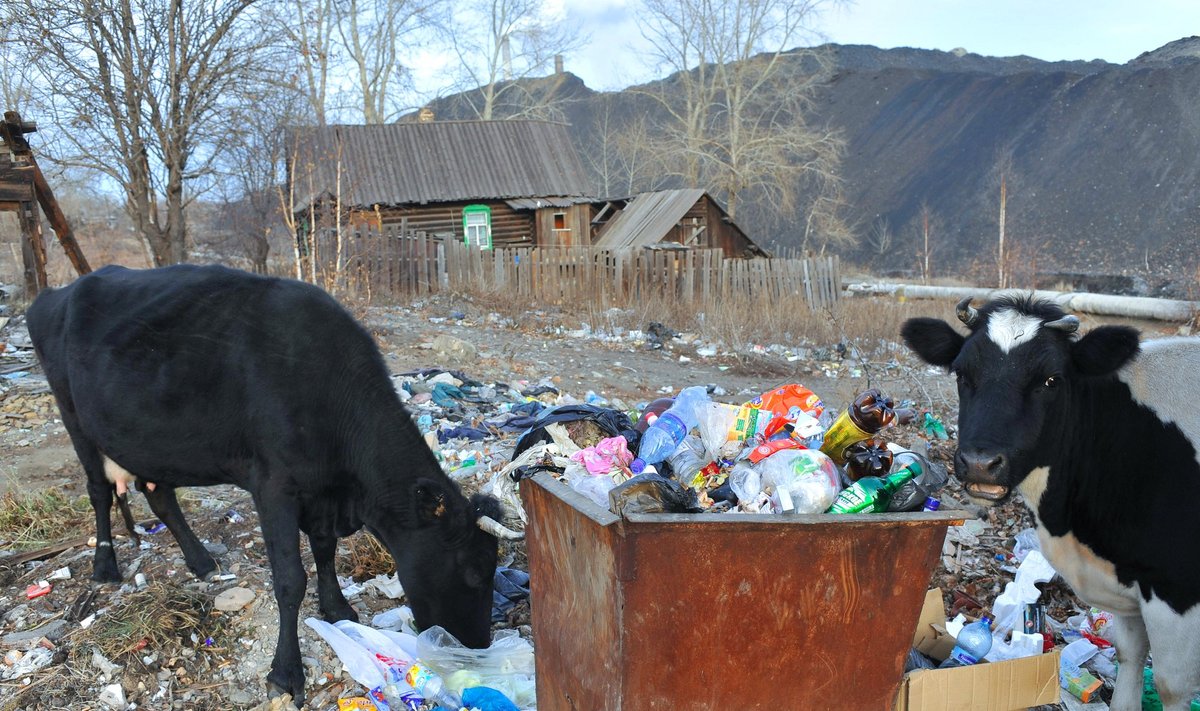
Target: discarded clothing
{"x":510,"y":587}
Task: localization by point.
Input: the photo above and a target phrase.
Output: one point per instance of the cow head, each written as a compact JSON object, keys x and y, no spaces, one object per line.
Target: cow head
{"x":1020,"y":370}
{"x":446,"y":550}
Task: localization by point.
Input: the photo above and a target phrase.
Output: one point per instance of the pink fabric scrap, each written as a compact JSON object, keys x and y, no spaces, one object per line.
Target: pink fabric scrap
{"x":607,"y":456}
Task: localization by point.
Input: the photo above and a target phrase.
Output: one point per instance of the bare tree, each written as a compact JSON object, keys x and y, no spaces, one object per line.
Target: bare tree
{"x":924,"y":232}
{"x":16,"y":81}
{"x":139,"y":90}
{"x":502,"y":43}
{"x":737,"y":102}
{"x":372,"y":33}
{"x":250,"y":218}
{"x":618,"y":149}
{"x":880,"y":237}
{"x":308,"y":28}
{"x":1003,"y":184}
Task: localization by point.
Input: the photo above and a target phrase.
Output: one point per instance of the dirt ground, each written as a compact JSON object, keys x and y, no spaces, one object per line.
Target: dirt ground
{"x":220,"y":661}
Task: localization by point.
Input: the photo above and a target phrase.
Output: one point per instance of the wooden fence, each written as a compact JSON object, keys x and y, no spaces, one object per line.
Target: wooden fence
{"x":401,"y":264}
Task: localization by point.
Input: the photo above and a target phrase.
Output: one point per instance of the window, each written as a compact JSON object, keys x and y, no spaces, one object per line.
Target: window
{"x":560,"y":221}
{"x":477,"y":226}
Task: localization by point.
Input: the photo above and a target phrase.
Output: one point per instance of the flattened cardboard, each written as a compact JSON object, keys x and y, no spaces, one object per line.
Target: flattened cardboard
{"x":992,"y":686}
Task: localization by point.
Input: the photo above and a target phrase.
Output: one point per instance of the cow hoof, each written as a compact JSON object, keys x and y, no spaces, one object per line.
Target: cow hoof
{"x":206,"y":572}
{"x":337,"y":613}
{"x":106,"y":573}
{"x":278,"y":685}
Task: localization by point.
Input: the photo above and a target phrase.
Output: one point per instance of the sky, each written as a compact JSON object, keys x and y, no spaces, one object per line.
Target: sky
{"x":1112,"y":30}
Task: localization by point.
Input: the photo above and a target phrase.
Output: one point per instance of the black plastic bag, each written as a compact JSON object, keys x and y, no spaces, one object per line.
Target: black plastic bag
{"x":613,"y":422}
{"x":651,"y":493}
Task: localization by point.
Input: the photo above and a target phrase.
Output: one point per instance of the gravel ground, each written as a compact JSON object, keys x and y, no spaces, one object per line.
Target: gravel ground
{"x":219,"y":663}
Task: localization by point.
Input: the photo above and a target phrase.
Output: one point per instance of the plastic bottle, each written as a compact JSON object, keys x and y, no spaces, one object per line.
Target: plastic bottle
{"x":872,"y":494}
{"x":931,"y":504}
{"x":688,"y":459}
{"x":870,"y":412}
{"x":667,"y":433}
{"x":974,"y":642}
{"x":430,"y":685}
{"x":870,"y":457}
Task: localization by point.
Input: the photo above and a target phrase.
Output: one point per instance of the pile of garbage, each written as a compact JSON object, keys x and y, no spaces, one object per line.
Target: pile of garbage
{"x":404,"y":670}
{"x":782,"y":452}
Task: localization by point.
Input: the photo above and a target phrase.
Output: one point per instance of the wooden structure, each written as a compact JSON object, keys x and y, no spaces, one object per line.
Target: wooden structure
{"x":671,"y":219}
{"x":489,"y":183}
{"x":393,"y":263}
{"x":22,"y":184}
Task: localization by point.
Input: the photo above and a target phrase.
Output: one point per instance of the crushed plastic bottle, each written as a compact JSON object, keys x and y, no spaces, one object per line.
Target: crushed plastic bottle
{"x":668,"y":431}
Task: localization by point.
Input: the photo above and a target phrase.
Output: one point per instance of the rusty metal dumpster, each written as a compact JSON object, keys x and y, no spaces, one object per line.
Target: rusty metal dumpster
{"x":722,"y":611}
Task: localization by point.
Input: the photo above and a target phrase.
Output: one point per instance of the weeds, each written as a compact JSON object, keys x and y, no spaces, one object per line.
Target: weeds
{"x":35,"y":519}
{"x":161,"y":615}
{"x":368,"y":557}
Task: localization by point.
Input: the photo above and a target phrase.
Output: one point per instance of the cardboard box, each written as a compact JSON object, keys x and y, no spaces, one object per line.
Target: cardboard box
{"x":991,"y":686}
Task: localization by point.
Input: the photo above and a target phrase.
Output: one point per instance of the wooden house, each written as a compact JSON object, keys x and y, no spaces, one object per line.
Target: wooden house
{"x":671,"y":219}
{"x":488,"y":183}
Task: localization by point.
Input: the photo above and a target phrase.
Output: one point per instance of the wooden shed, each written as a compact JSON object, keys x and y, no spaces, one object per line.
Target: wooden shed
{"x":489,"y":183}
{"x":672,"y":219}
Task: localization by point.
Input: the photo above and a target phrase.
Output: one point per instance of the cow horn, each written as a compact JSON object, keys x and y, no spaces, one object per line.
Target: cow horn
{"x":966,"y":312}
{"x":1066,"y":324}
{"x":497,"y":529}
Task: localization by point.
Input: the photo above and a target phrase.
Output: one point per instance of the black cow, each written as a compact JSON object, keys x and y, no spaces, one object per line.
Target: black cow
{"x":192,"y":376}
{"x":1100,"y":435}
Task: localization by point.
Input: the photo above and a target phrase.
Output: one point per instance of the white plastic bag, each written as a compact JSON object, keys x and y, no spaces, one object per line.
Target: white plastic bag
{"x":1010,"y":604}
{"x":715,"y":422}
{"x":361,"y":664}
{"x":746,"y":482}
{"x":594,"y":486}
{"x":507,"y":665}
{"x":805,"y":480}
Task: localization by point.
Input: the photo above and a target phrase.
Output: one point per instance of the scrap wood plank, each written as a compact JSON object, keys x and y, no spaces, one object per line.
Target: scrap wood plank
{"x":52,"y":550}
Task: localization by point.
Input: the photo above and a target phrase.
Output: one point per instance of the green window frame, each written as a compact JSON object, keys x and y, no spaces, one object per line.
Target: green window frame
{"x":477,"y":226}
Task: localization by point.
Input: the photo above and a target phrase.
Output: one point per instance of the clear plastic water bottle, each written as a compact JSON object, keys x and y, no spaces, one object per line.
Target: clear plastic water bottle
{"x":430,"y":685}
{"x":973,"y":644}
{"x":667,"y":433}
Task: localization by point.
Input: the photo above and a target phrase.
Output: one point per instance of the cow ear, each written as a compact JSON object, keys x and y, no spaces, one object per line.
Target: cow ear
{"x":430,"y":502}
{"x":933,"y":340}
{"x":1105,"y":349}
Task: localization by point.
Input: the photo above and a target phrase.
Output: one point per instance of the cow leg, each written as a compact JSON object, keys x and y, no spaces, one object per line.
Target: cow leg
{"x":1175,"y":646}
{"x":166,"y":507}
{"x":278,"y":514}
{"x":100,"y":491}
{"x":1132,"y":647}
{"x":329,"y":593}
{"x":104,"y":564}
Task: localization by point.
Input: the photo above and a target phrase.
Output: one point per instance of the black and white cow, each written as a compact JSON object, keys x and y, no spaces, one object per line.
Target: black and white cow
{"x":1100,"y":434}
{"x":191,"y":376}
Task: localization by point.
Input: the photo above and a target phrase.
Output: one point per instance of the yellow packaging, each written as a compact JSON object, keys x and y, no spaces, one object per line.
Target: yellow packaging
{"x":358,"y":703}
{"x":842,"y":433}
{"x":750,"y":421}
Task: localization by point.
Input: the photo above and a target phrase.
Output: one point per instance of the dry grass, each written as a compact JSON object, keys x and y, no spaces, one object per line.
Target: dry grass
{"x":163,"y":616}
{"x":33,"y":520}
{"x":367,"y":557}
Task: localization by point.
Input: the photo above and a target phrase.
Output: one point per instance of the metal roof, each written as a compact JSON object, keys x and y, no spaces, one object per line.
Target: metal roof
{"x":647,"y":218}
{"x":439,"y":161}
{"x":540,"y":202}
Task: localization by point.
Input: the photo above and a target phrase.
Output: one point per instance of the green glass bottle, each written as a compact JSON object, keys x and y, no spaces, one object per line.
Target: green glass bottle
{"x":872,"y":494}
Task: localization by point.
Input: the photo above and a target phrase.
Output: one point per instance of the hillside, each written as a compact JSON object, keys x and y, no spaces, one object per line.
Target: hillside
{"x":1102,"y":160}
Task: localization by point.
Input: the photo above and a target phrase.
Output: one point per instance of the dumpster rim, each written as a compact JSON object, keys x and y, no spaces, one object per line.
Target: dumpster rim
{"x":606,"y":517}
